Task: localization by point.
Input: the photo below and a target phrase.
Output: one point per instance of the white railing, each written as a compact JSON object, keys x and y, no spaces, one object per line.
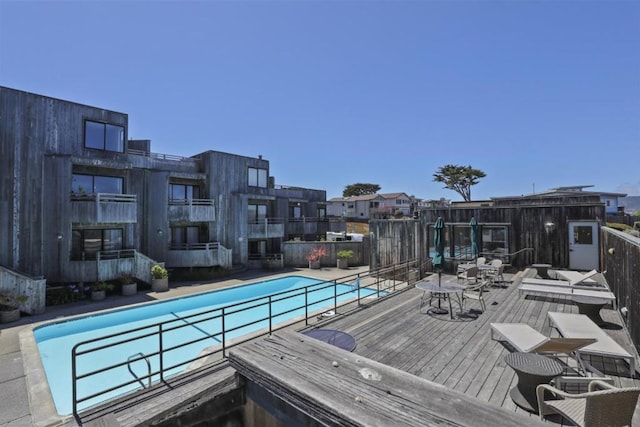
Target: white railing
{"x":191,"y":202}
{"x":160,"y":156}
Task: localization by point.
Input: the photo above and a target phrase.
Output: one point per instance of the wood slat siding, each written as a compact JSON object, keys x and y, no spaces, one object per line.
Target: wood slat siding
{"x":338,"y":388}
{"x":392,"y":239}
{"x":622,"y":270}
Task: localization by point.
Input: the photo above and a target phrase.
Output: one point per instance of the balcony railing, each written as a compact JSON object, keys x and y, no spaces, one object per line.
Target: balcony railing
{"x":96,"y":208}
{"x":192,"y":210}
{"x":266,"y":228}
{"x":159,"y":156}
{"x":199,"y":255}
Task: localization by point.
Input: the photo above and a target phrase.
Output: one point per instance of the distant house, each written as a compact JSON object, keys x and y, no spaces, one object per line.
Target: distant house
{"x":610,"y":200}
{"x":630,"y":204}
{"x":369,"y":206}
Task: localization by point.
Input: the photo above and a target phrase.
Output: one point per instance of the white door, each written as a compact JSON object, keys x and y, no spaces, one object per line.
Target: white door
{"x":583,"y":245}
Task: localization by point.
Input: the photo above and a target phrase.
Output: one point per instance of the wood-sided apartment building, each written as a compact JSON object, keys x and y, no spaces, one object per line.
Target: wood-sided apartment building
{"x":80,"y":202}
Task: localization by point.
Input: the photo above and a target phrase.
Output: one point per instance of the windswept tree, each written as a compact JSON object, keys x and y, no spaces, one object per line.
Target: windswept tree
{"x":459,"y":179}
{"x":360,"y":189}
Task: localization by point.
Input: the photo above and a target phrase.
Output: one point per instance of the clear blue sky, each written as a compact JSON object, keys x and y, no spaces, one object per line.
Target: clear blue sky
{"x":538,"y":94}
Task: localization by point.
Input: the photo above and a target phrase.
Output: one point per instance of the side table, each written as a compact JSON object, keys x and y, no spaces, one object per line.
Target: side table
{"x":591,"y":307}
{"x":532,"y":369}
{"x":543,"y":270}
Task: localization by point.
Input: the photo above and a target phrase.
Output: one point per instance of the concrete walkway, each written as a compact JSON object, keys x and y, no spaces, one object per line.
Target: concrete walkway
{"x":16,"y":397}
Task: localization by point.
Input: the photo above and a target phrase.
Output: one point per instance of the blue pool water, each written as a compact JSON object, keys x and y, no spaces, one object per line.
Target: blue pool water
{"x":55,"y":341}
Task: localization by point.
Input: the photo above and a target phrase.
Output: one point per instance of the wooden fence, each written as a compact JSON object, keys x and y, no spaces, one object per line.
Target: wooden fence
{"x":621,"y":260}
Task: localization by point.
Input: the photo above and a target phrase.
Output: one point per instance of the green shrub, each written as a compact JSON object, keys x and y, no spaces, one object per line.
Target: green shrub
{"x":345,"y":254}
{"x":159,"y":272}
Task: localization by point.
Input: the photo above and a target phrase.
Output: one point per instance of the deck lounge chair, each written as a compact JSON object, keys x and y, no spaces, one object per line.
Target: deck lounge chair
{"x":571,"y":325}
{"x":546,"y":290}
{"x":589,"y":278}
{"x":573,"y":279}
{"x":524,"y":338}
{"x":603,"y":405}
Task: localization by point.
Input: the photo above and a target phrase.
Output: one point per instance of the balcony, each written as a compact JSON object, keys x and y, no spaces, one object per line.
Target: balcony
{"x":101,"y":208}
{"x":192,"y":210}
{"x":266,"y":228}
{"x":199,"y":255}
{"x":308,"y":226}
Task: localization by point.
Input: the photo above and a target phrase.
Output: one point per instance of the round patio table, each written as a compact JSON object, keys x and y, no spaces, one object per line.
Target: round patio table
{"x":590,"y":306}
{"x":444,"y":289}
{"x":533,"y":369}
{"x":334,"y":337}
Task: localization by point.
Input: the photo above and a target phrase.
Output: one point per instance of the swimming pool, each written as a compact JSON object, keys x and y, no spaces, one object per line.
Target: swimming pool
{"x":187,"y":326}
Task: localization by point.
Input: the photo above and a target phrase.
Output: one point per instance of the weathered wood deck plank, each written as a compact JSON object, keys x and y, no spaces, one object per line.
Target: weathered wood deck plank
{"x":358,"y":391}
{"x":460,"y":354}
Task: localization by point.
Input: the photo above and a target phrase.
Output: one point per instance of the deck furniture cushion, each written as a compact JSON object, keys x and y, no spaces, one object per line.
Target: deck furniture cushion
{"x":571,"y":325}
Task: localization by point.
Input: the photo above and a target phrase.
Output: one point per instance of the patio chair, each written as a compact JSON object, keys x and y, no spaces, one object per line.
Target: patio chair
{"x":495,"y":274}
{"x":468,"y":274}
{"x":473,"y":292}
{"x":571,"y":325}
{"x":602,"y":405}
{"x":480,"y":260}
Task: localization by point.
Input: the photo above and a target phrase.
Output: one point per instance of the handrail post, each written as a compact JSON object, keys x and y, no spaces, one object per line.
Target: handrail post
{"x":270,"y":314}
{"x":335,"y":295}
{"x":306,"y":305}
{"x":224,"y":344}
{"x":74,"y":390}
{"x":160,"y":352}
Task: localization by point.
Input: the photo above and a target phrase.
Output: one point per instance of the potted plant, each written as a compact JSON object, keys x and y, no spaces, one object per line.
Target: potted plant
{"x":314,"y":257}
{"x":343,"y":258}
{"x":128,"y":284}
{"x":99,"y":290}
{"x":10,"y":307}
{"x":159,"y":278}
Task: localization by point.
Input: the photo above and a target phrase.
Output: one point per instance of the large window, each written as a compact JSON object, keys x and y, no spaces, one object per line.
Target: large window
{"x":322,"y":212}
{"x":104,"y":136}
{"x":85,"y":244}
{"x":257,"y":177}
{"x":183,"y":236}
{"x":256,"y":213}
{"x":82,"y":185}
{"x":295,"y":211}
{"x":181,"y":192}
{"x":495,"y":240}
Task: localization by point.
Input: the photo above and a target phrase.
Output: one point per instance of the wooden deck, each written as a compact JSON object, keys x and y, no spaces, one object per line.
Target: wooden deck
{"x":460,"y":353}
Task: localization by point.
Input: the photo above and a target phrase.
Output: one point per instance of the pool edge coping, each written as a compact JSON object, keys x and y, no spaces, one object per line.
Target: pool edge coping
{"x":42,"y":407}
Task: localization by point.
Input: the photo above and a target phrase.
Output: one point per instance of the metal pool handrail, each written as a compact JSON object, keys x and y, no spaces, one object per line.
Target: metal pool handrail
{"x":158,"y":330}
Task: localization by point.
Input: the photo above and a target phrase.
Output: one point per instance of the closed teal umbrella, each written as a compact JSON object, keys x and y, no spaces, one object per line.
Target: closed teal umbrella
{"x":438,"y":257}
{"x":438,"y":242}
{"x":474,"y":238}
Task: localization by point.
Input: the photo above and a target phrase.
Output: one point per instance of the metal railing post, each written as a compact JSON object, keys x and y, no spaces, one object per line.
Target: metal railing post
{"x":74,"y":390}
{"x":270,"y":319}
{"x":160,"y":352}
{"x":335,"y":295}
{"x":224,"y":343}
{"x":306,"y":305}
